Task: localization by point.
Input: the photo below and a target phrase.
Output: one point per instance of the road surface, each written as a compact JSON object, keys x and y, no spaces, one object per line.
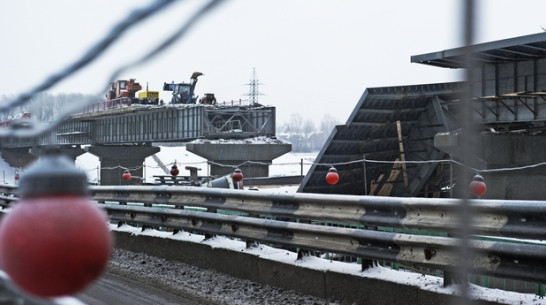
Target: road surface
{"x":121,"y":289}
{"x":140,"y":279}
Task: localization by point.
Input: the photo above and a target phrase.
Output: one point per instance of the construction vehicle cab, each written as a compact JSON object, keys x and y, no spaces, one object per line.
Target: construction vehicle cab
{"x":122,"y":92}
{"x":183,"y":93}
{"x":123,"y":88}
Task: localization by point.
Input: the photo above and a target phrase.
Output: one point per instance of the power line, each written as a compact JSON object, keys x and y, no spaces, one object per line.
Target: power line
{"x":311,"y":163}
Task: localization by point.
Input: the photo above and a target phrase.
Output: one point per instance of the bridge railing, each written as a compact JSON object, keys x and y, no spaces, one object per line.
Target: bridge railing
{"x":296,"y":221}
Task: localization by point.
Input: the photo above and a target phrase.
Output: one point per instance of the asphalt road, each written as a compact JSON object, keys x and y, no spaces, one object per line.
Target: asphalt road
{"x":140,"y":279}
{"x":121,"y":289}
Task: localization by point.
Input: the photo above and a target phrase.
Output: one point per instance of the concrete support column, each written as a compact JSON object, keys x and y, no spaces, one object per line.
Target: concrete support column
{"x":72,"y":151}
{"x":500,"y":151}
{"x":237,"y":154}
{"x":18,"y":157}
{"x":114,"y":159}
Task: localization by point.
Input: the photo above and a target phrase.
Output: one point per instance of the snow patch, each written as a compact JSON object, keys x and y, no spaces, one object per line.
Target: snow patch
{"x":255,"y":140}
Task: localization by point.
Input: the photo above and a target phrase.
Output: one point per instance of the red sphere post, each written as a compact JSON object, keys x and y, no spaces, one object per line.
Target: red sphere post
{"x":237,"y":175}
{"x":54,"y":241}
{"x":174,"y":170}
{"x":332,"y":177}
{"x":126,"y":175}
{"x":477,"y":186}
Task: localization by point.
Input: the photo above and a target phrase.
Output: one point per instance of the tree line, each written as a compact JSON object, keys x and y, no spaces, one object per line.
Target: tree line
{"x":45,"y":106}
{"x":304,"y":134}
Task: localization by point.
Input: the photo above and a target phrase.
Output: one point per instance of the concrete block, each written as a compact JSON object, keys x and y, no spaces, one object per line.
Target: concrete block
{"x":290,"y":277}
{"x":114,"y":158}
{"x":347,"y":288}
{"x":234,"y":155}
{"x":352,"y":289}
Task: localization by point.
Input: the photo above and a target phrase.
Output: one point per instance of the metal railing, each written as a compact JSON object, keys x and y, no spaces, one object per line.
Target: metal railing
{"x":255,"y":216}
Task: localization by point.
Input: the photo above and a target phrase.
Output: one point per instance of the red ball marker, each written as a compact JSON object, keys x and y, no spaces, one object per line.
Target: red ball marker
{"x":332,"y":177}
{"x":54,"y":242}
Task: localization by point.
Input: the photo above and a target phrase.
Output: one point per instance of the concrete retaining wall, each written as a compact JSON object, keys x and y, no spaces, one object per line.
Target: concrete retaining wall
{"x":349,"y":289}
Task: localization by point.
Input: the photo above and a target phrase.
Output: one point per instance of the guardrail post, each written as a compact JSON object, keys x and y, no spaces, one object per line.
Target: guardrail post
{"x":366,"y":263}
{"x":250,"y":244}
{"x":302,"y":253}
{"x":540,"y":290}
{"x":451,"y":278}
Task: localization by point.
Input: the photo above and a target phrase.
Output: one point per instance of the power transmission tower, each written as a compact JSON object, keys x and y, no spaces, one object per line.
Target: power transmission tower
{"x":253,"y":91}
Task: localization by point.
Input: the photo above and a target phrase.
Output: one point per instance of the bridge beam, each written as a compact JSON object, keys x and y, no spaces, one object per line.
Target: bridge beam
{"x":235,"y":155}
{"x":114,"y":159}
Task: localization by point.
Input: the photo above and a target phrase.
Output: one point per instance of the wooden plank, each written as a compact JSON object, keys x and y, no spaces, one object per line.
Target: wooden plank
{"x":374,"y":184}
{"x":386,"y":189}
{"x":402,"y":155}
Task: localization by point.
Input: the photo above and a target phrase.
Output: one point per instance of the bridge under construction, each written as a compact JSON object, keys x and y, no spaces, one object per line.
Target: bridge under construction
{"x":407,"y":140}
{"x":123,"y":137}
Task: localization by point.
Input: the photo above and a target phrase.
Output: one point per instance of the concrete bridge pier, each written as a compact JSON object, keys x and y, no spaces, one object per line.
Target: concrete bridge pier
{"x":72,"y":151}
{"x":21,"y":157}
{"x":236,"y":154}
{"x":114,"y":159}
{"x":18,"y":157}
{"x":502,"y":151}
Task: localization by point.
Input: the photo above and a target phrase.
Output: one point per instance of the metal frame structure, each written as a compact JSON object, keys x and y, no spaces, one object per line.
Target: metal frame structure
{"x":145,"y":124}
{"x":371,"y":132}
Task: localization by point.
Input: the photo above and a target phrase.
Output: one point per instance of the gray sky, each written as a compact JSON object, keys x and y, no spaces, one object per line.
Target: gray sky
{"x":314,"y":57}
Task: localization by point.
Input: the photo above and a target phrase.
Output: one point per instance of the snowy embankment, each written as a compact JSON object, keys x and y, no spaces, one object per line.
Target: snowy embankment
{"x":209,"y":287}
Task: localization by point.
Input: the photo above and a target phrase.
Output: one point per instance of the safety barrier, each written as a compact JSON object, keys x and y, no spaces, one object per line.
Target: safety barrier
{"x":256,"y":216}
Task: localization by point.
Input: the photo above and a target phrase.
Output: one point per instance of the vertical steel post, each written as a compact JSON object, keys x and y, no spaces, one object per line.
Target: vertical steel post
{"x":365,"y":175}
{"x":460,"y":275}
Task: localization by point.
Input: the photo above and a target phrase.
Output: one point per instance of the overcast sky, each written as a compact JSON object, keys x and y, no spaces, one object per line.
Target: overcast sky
{"x":314,"y":57}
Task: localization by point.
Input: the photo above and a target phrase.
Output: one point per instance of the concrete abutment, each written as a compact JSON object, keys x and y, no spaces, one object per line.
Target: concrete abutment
{"x":21,"y":157}
{"x":252,"y":158}
{"x":114,"y":159}
{"x":331,"y":285}
{"x":522,"y":153}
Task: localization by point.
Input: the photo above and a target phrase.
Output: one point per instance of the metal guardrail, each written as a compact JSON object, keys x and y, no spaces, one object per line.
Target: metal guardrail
{"x":517,"y":219}
{"x":522,"y":257}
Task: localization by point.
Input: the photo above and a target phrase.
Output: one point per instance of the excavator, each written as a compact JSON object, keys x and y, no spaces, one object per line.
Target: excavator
{"x":123,"y":92}
{"x":183,"y":93}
